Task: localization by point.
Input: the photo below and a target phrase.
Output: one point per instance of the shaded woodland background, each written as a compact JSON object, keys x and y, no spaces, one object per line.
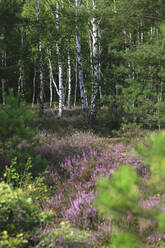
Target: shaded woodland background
{"x":120,"y":63}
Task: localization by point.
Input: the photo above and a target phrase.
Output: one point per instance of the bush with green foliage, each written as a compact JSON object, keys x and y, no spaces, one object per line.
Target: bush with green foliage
{"x":142,"y":93}
{"x":15,"y":118}
{"x":136,"y":93}
{"x":130,"y":200}
{"x":20,"y":217}
{"x":17,"y":139}
{"x":12,"y":177}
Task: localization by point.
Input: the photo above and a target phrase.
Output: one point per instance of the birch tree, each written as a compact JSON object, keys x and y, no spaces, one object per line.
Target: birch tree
{"x":76,"y":83}
{"x":40,"y":63}
{"x":34,"y":86}
{"x":80,"y":68}
{"x":95,"y":84}
{"x":60,"y":69}
{"x":51,"y":80}
{"x":69,"y":82}
{"x":21,"y":73}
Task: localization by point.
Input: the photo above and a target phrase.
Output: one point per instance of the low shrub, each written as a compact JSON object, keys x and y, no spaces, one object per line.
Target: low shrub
{"x":20,"y":217}
{"x":136,"y":204}
{"x":17,"y":139}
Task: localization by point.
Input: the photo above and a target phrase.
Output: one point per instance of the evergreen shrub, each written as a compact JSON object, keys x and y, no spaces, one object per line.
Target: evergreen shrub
{"x":17,"y":139}
{"x":136,"y":204}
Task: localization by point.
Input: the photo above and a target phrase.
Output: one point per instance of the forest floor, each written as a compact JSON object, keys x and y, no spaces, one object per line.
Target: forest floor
{"x":68,"y":141}
{"x":77,"y":155}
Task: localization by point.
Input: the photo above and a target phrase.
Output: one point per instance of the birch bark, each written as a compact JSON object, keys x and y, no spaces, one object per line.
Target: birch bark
{"x":69,"y":82}
{"x":21,"y":81}
{"x":80,"y":69}
{"x":51,"y":74}
{"x":34,"y":87}
{"x":50,"y":90}
{"x":75,"y":91}
{"x":95,"y":85}
{"x":60,"y":69}
{"x":40,"y":64}
{"x":21,"y":73}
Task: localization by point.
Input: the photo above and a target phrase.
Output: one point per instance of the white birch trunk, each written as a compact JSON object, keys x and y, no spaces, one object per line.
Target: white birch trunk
{"x":80,"y":70}
{"x":151,"y":33}
{"x":52,"y":80}
{"x":91,"y":52}
{"x":60,"y":69}
{"x":142,"y":34}
{"x":69,"y":82}
{"x":75,"y":91}
{"x":100,"y":73}
{"x":125,"y":37}
{"x":21,"y":81}
{"x":95,"y":86}
{"x":34,"y":87}
{"x":40,"y":64}
{"x":50,"y":90}
{"x":21,"y":73}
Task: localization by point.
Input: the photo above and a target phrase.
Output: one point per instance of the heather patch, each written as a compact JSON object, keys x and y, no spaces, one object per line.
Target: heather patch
{"x":82,"y":158}
{"x":57,"y":150}
{"x":75,"y":186}
{"x":67,"y":188}
{"x":75,"y":162}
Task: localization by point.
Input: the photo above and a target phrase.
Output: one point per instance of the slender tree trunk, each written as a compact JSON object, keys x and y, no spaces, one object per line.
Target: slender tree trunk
{"x":100,"y":73}
{"x":40,"y":64}
{"x":142,"y":34}
{"x":91,"y":52}
{"x":34,"y":87}
{"x":76,"y":82}
{"x":60,"y":69}
{"x":80,"y":69}
{"x":69,"y":82}
{"x":100,"y":89}
{"x":21,"y":73}
{"x":50,"y":90}
{"x":51,"y":74}
{"x":52,"y":81}
{"x":21,"y":81}
{"x":95,"y":86}
{"x":151,"y":33}
{"x":64,"y":96}
{"x":125,"y":38}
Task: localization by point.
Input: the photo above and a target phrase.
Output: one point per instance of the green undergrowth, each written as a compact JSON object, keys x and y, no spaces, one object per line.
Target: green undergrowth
{"x":20,"y":217}
{"x":24,"y":191}
{"x":123,"y":198}
{"x":69,"y":236}
{"x":72,"y":121}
